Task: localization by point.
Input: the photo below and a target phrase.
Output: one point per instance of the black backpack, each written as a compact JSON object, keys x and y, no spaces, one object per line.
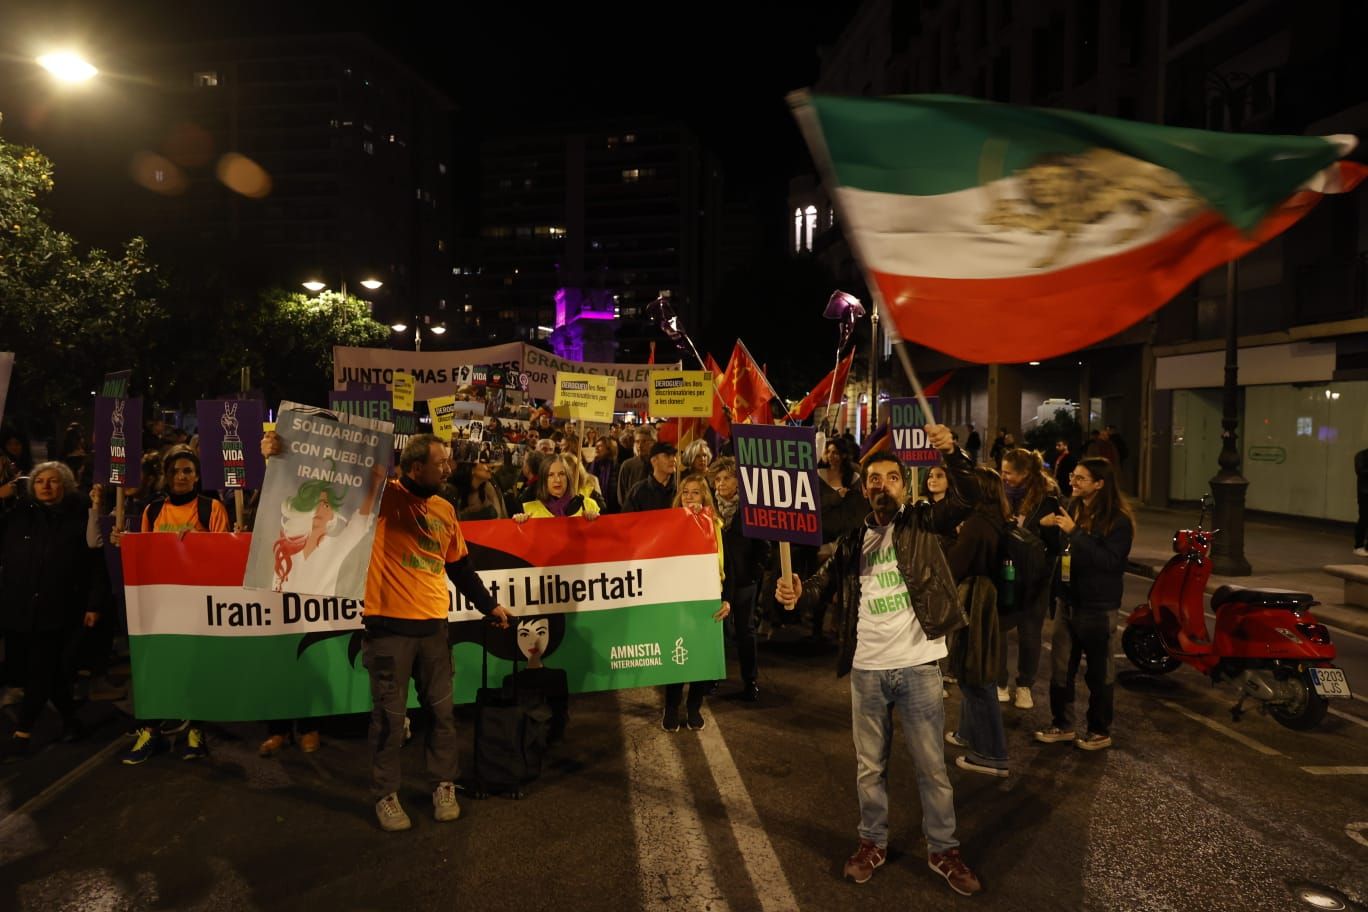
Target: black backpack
{"x":1030,"y":564}
{"x":203,"y":504}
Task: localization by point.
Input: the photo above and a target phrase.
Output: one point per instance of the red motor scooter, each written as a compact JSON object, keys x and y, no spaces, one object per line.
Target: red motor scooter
{"x":1266,"y":641}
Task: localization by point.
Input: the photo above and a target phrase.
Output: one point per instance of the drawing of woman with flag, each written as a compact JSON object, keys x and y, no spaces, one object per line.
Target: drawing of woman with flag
{"x":315,"y":540}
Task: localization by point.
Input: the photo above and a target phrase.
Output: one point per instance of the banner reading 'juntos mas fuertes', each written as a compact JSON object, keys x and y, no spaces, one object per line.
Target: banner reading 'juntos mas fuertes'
{"x":624,"y":601}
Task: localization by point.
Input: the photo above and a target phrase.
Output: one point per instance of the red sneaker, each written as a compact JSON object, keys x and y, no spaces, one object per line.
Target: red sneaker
{"x":860,"y":866}
{"x":949,"y":865}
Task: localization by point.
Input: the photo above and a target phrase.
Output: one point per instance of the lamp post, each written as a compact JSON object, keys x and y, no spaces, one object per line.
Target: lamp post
{"x":67,"y":66}
{"x":1229,"y":487}
{"x":401,"y":327}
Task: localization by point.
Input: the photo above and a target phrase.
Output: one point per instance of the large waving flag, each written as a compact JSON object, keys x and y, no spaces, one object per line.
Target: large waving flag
{"x":968,"y":214}
{"x":822,"y":393}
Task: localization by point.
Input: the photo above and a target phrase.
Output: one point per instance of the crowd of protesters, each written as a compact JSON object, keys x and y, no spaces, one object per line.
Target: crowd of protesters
{"x":59,"y":594}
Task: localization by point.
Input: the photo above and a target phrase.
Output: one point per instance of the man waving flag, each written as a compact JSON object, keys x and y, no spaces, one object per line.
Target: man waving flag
{"x":966,"y":212}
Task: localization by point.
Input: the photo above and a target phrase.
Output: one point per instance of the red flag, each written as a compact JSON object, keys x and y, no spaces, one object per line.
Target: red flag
{"x":745,"y":389}
{"x":934,"y":387}
{"x":650,"y":359}
{"x":821,"y":393}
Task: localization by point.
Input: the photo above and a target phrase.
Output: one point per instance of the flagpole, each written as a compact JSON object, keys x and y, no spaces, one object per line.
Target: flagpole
{"x":811,"y":129}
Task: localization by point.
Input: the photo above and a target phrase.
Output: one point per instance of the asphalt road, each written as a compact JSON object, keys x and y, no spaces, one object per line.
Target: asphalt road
{"x":1189,"y":811}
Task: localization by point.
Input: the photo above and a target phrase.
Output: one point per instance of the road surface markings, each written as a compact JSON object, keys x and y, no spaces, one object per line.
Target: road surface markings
{"x":673,"y":860}
{"x":1350,"y":716}
{"x":762,"y":864}
{"x":28,"y":808}
{"x":1336,"y":770}
{"x":1355,"y":832}
{"x":1225,"y":730}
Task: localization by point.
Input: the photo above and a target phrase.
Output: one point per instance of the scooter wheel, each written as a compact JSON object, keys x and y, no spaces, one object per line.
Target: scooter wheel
{"x":1145,"y":648}
{"x":1306,"y":710}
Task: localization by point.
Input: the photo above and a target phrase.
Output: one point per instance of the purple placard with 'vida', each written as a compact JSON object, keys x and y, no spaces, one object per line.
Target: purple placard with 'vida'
{"x":778,"y":480}
{"x":907,"y":426}
{"x":230,"y":443}
{"x":118,"y":441}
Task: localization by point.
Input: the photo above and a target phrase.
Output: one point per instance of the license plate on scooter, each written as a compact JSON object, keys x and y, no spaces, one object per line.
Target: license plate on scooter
{"x":1330,"y":683}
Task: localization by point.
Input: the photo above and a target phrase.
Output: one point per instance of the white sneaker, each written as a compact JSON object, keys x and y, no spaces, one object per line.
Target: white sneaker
{"x":1004,"y":695}
{"x":444,"y":806}
{"x":1361,"y":552}
{"x":1023,"y":700}
{"x":391,"y":814}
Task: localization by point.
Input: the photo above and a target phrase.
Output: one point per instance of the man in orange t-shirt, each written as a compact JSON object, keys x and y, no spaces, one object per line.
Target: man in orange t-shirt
{"x":418,"y":546}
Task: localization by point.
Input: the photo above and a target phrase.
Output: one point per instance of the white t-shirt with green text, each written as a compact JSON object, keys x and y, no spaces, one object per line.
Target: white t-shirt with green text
{"x":889,"y":635}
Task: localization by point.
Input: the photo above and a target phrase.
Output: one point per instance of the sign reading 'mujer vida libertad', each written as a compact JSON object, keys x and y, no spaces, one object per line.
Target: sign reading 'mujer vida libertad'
{"x":778,"y":468}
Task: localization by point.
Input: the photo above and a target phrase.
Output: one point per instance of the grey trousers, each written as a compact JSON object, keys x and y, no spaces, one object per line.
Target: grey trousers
{"x":391,"y":660}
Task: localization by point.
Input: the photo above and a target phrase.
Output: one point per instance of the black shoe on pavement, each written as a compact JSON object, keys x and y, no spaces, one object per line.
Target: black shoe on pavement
{"x":696,"y":721}
{"x":751,"y":692}
{"x":670,"y":720}
{"x":14,"y":748}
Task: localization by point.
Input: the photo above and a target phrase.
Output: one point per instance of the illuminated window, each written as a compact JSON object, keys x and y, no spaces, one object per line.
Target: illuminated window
{"x":205,"y":79}
{"x":809,"y":225}
{"x":797,"y":230}
{"x":629,"y":138}
{"x":369,"y":147}
{"x":1305,"y":427}
{"x":441,"y":168}
{"x":557,"y":231}
{"x":630,"y":175}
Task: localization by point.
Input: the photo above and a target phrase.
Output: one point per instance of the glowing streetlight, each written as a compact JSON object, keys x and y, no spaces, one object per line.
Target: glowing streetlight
{"x":314,"y":285}
{"x":371,"y":284}
{"x":398,"y":327}
{"x":438,"y":329}
{"x":67,"y":66}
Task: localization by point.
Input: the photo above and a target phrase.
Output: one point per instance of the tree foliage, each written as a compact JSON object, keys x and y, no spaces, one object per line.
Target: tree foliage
{"x":68,"y":313}
{"x":287,"y":341}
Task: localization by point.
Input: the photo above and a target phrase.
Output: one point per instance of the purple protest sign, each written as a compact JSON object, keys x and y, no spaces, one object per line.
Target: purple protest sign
{"x":230,"y":443}
{"x":778,"y":469}
{"x":118,"y":454}
{"x":907,"y":425}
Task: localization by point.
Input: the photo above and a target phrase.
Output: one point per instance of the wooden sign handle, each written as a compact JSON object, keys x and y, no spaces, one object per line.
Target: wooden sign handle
{"x":786,"y":566}
{"x":238,"y":524}
{"x":119,"y":508}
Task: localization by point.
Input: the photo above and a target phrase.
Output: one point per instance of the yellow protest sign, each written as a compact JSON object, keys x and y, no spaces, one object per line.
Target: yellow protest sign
{"x":681,"y":394}
{"x":585,"y":397}
{"x":267,"y":427}
{"x":403,"y":392}
{"x":443,"y":412}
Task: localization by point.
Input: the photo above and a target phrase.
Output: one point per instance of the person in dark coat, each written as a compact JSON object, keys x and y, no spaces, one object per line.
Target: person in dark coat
{"x":47,"y":593}
{"x":744,"y":560}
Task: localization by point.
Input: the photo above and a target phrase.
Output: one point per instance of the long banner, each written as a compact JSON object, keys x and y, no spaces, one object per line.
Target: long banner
{"x":435,"y":373}
{"x":625,"y":601}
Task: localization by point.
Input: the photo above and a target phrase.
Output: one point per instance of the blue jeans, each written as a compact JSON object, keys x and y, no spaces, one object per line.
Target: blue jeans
{"x":980,"y":724}
{"x":915,"y":693}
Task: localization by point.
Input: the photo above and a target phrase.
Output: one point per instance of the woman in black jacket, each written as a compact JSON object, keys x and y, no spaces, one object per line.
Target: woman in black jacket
{"x":1098,"y":530}
{"x":1031,"y":496}
{"x":47,"y":591}
{"x":974,"y":554}
{"x":744,"y":560}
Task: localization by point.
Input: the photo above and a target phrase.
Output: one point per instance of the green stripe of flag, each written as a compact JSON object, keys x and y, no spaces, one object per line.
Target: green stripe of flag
{"x":926,"y":145}
{"x":256,"y":678}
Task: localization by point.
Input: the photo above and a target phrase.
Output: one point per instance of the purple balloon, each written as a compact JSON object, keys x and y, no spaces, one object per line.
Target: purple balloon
{"x":843,"y":306}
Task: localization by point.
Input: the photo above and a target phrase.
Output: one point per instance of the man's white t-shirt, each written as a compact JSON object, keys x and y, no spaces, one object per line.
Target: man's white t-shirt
{"x":888,"y":634}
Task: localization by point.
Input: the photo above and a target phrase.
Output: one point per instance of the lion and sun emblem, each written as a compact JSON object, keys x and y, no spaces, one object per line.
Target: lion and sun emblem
{"x":1064,"y":193}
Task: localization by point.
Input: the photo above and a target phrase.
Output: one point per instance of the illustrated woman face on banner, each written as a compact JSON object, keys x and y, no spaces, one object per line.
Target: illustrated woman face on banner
{"x":534,"y":636}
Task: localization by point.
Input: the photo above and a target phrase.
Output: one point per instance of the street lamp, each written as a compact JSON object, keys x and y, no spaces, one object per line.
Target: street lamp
{"x":1229,"y":487}
{"x":314,"y":285}
{"x":371,"y":284}
{"x":66,"y":66}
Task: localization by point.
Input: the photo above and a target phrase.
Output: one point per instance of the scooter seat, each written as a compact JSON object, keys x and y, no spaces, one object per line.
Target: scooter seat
{"x":1260,"y":597}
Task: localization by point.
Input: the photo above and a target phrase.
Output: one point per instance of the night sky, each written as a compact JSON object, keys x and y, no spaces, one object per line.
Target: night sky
{"x":722,"y":67}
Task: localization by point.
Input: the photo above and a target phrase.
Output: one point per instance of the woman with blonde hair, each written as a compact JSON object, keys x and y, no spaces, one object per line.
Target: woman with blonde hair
{"x":695,"y":496}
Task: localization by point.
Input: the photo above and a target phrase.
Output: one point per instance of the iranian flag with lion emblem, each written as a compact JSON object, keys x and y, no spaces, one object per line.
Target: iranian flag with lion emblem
{"x":967,"y":213}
